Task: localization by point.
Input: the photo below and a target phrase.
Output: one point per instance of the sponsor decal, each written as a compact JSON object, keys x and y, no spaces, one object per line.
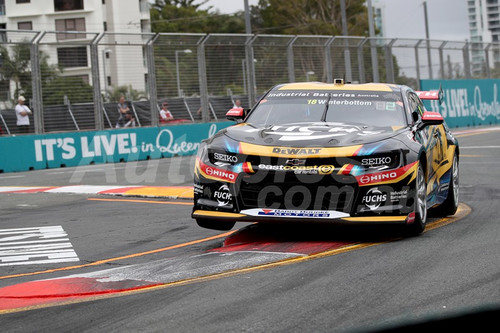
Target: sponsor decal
{"x":301,"y":169}
{"x":226,"y":158}
{"x":217,"y":174}
{"x":289,"y":213}
{"x":223,"y":195}
{"x":296,"y":151}
{"x":374,"y":198}
{"x":376,"y":161}
{"x":387,"y":176}
{"x":378,"y":177}
{"x":399,"y":195}
{"x":314,"y":132}
{"x":295,"y":161}
{"x":198,"y":189}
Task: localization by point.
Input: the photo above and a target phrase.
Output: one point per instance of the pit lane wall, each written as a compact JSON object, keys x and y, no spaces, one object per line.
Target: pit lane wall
{"x":466,"y":102}
{"x":55,"y":150}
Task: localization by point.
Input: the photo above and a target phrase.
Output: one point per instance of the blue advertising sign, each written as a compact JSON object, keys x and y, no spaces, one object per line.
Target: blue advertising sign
{"x":55,"y":150}
{"x":466,"y":102}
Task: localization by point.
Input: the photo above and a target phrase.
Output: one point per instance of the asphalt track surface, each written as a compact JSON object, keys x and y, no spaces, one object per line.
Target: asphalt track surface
{"x":142,"y":264}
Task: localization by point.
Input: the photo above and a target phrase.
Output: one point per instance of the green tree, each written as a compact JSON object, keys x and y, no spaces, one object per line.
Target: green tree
{"x":312,"y":17}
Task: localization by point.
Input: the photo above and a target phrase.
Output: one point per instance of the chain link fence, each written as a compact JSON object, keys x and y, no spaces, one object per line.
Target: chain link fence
{"x":74,"y":80}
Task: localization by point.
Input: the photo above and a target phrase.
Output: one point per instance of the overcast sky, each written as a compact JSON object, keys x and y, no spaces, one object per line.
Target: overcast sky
{"x":403,"y":18}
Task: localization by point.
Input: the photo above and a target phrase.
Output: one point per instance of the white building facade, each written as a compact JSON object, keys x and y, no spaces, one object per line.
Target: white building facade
{"x":71,"y":51}
{"x":484,"y":27}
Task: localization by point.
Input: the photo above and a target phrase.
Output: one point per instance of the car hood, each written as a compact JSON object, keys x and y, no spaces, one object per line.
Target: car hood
{"x":310,"y":134}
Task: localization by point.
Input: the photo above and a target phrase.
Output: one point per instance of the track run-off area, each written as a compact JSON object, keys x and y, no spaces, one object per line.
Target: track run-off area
{"x":113,"y":247}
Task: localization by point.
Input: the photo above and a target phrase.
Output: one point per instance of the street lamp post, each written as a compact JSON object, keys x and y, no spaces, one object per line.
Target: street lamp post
{"x":179,"y":92}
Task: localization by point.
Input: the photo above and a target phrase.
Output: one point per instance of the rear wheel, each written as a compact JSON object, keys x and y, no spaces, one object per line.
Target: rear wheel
{"x":215,"y":224}
{"x":450,"y":205}
{"x":418,"y":226}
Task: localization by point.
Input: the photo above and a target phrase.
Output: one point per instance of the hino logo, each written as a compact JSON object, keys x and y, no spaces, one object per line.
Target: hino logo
{"x":377,"y":177}
{"x":295,"y":162}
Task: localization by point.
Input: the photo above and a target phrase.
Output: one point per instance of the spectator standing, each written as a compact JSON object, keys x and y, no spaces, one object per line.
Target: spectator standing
{"x":237,"y":104}
{"x":22,"y":113}
{"x":122,"y":110}
{"x":165,"y":114}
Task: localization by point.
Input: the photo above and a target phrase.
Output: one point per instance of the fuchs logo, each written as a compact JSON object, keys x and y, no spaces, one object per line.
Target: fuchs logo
{"x":223,"y":195}
{"x":296,"y":151}
{"x":374,"y":198}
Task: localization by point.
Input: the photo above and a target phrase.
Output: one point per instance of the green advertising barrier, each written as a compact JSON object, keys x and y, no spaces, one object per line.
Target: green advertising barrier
{"x":55,"y":150}
{"x":466,"y":102}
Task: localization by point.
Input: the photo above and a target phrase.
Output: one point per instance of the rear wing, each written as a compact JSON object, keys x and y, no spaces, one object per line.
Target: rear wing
{"x":431,"y":95}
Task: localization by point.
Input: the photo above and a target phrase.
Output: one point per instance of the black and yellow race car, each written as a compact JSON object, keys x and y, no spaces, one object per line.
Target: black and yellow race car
{"x":318,"y":152}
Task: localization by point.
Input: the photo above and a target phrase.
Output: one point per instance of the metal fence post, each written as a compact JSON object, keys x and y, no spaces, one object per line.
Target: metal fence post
{"x":249,"y":55}
{"x":389,"y":64}
{"x":361,"y":61}
{"x":441,"y":59}
{"x":150,"y":62}
{"x":328,"y":60}
{"x":96,"y":84}
{"x":417,"y":63}
{"x":202,"y":76}
{"x":289,"y":56}
{"x":465,"y":52}
{"x":487,"y":60}
{"x":36,"y":82}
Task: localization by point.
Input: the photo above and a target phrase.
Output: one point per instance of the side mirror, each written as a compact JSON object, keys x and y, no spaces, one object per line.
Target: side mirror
{"x":431,"y":118}
{"x":236,"y":114}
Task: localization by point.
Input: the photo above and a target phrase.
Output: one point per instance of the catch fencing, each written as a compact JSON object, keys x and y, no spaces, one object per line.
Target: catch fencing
{"x":74,"y":80}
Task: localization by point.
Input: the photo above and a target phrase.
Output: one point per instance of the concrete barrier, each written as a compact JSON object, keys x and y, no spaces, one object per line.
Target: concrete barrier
{"x":55,"y":150}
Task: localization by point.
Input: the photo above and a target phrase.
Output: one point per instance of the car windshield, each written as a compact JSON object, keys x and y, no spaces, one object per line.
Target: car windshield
{"x":371,"y":108}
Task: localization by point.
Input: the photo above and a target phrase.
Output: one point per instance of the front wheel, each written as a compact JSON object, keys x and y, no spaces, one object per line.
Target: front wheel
{"x":418,"y":226}
{"x":450,"y":204}
{"x":215,"y":225}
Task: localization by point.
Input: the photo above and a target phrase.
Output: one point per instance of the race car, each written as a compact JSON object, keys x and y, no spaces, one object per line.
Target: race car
{"x":329,"y":152}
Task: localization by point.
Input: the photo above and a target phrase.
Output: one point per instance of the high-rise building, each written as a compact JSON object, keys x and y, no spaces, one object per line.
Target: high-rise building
{"x":71,"y":51}
{"x":484,"y":27}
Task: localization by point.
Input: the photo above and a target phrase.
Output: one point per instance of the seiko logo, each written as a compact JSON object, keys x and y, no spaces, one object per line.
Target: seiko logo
{"x":376,"y":161}
{"x":296,"y":151}
{"x":225,"y":158}
{"x":377,"y":177}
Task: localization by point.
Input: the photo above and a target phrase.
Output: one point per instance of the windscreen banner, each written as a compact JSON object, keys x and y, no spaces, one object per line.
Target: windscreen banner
{"x":55,"y":150}
{"x":466,"y":102}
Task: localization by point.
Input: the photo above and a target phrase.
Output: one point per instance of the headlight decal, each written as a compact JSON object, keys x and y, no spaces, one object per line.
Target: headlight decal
{"x":214,"y":173}
{"x":386,"y":177}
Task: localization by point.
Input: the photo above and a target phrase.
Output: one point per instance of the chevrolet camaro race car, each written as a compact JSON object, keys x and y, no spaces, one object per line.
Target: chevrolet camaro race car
{"x":317,"y":152}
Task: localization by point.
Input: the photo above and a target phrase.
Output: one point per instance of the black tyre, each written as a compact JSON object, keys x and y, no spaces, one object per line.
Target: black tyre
{"x":450,"y":205}
{"x":418,"y":226}
{"x":215,"y":224}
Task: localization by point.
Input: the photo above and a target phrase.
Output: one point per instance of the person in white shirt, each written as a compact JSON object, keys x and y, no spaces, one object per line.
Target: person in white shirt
{"x":165,"y":114}
{"x":22,"y":113}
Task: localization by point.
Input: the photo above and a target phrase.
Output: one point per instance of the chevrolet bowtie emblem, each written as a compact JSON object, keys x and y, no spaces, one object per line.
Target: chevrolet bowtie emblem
{"x":295,"y":162}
